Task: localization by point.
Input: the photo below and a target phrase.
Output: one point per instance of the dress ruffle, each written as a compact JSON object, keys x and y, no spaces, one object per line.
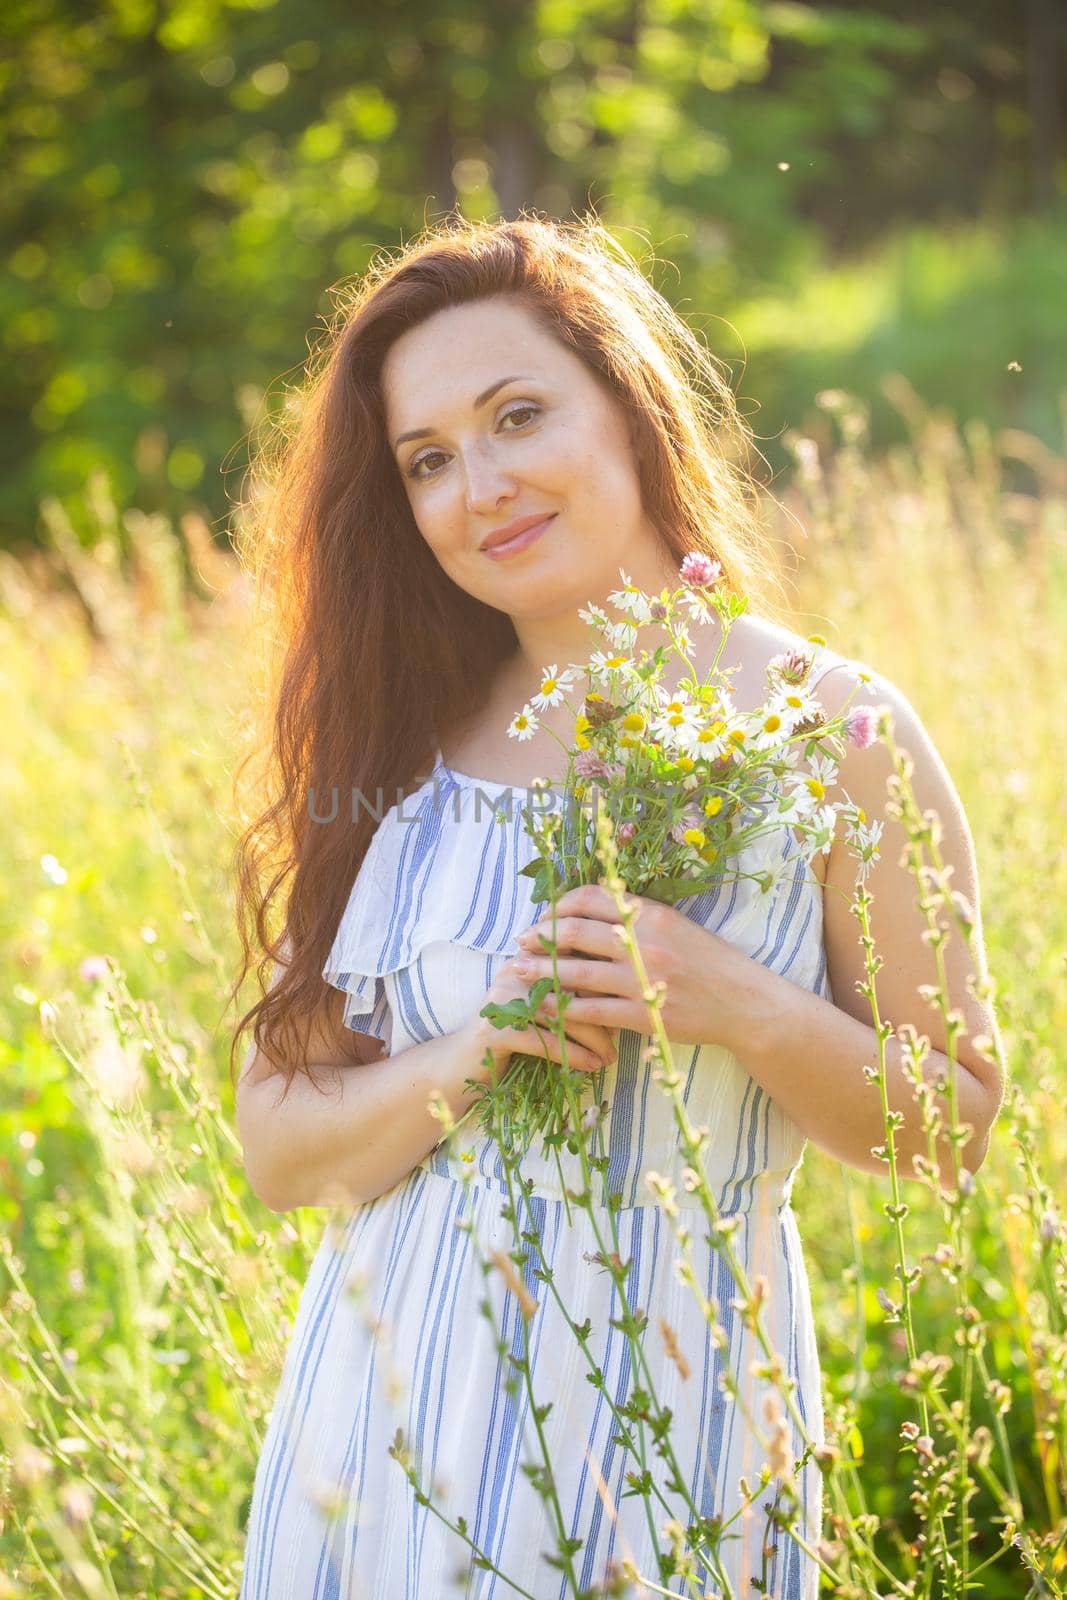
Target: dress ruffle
{"x":439,"y":867}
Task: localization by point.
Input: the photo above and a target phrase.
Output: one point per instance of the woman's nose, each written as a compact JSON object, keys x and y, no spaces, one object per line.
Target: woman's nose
{"x":488,"y":485}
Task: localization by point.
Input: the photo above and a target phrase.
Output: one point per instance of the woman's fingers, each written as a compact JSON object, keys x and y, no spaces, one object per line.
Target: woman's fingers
{"x":588,"y":1048}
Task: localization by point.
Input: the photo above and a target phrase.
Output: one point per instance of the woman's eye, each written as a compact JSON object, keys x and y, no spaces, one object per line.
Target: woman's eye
{"x":523,"y":409}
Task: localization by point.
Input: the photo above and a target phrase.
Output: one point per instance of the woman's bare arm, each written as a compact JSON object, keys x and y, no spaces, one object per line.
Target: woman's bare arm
{"x":345,"y":1143}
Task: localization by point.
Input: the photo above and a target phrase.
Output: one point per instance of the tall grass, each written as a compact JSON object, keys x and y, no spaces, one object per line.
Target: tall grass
{"x":146,"y":1297}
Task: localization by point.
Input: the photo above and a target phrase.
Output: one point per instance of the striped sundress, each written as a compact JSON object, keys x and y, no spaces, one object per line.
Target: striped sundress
{"x":390,"y":1335}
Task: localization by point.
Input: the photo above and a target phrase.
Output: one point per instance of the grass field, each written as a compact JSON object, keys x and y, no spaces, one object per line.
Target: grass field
{"x":146,"y":1296}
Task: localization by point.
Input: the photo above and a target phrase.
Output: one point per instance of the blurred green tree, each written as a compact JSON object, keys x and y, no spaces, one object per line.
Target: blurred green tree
{"x":185,"y":179}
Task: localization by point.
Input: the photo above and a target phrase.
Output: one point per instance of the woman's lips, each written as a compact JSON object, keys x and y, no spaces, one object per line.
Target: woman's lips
{"x":511,"y":547}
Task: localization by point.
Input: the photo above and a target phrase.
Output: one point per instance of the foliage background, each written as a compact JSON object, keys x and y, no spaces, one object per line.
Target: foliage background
{"x":831,"y":192}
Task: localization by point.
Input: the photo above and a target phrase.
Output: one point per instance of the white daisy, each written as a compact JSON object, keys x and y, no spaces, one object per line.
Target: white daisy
{"x":595,"y":616}
{"x":621,"y":636}
{"x":700,"y":606}
{"x":814,"y":779}
{"x":604,"y":662}
{"x":793,"y":705}
{"x":631,"y":599}
{"x":553,"y":683}
{"x":825,"y":820}
{"x":768,"y":727}
{"x":523,"y":725}
{"x":675,"y":719}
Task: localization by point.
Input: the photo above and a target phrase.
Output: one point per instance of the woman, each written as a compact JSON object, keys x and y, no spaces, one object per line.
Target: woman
{"x":507,"y":416}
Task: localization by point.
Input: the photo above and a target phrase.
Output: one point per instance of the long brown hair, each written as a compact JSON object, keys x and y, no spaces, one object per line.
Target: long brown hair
{"x":372,"y":650}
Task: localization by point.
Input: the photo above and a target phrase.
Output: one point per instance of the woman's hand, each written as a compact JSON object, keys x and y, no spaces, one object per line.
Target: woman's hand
{"x":590,"y":1046}
{"x":714,"y":993}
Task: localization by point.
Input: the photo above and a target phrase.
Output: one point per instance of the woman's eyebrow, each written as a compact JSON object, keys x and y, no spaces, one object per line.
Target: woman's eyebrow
{"x":486,"y":394}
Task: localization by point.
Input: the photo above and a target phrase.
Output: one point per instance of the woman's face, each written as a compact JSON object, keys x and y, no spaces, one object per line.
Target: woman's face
{"x":516,"y":428}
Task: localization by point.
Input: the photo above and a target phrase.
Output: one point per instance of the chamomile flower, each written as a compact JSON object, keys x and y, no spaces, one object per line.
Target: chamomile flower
{"x":622,"y":636}
{"x":821,"y":775}
{"x":764,"y":729}
{"x":675,"y":718}
{"x":824,"y":820}
{"x":553,"y":684}
{"x":794,"y":704}
{"x":524,"y":724}
{"x":631,"y":599}
{"x":707,"y":739}
{"x":799,"y":805}
{"x":603,"y":662}
{"x":700,"y":606}
{"x":596,"y":616}
{"x":863,"y":835}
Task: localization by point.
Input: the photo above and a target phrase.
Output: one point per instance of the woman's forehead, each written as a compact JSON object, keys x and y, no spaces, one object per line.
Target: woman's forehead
{"x":455,"y":355}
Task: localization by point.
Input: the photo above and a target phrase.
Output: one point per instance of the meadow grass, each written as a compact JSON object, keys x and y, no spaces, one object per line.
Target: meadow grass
{"x":147,"y":1297}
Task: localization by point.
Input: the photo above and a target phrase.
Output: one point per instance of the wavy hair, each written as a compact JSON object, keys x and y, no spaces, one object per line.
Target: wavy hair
{"x":340,"y":571}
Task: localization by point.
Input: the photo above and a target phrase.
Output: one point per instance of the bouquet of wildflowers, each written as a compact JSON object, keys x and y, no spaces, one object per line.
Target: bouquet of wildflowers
{"x":689,"y":781}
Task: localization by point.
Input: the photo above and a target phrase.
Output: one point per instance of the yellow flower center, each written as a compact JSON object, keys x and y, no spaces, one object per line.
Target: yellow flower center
{"x":633,"y":722}
{"x":773,"y":723}
{"x":694,"y":836}
{"x":817,"y":789}
{"x":549,"y":685}
{"x":737,"y":735}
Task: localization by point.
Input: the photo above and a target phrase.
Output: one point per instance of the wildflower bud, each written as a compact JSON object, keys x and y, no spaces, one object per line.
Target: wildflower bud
{"x":670,"y":1340}
{"x":658,"y":612}
{"x":30,"y":1464}
{"x":924,"y":1447}
{"x":76,"y":1501}
{"x":811,"y":723}
{"x":792,"y":666}
{"x":1049,"y":1228}
{"x":527,"y":1304}
{"x":598,"y":710}
{"x":964,"y":910}
{"x":966,"y":1181}
{"x":888,"y":1306}
{"x":909,"y":1431}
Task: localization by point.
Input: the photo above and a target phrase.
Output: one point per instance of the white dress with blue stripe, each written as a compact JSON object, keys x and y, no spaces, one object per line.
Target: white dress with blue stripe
{"x":389,"y":1334}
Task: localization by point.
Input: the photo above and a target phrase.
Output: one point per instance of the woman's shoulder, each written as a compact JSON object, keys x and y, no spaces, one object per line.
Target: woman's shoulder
{"x":753,"y":644}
